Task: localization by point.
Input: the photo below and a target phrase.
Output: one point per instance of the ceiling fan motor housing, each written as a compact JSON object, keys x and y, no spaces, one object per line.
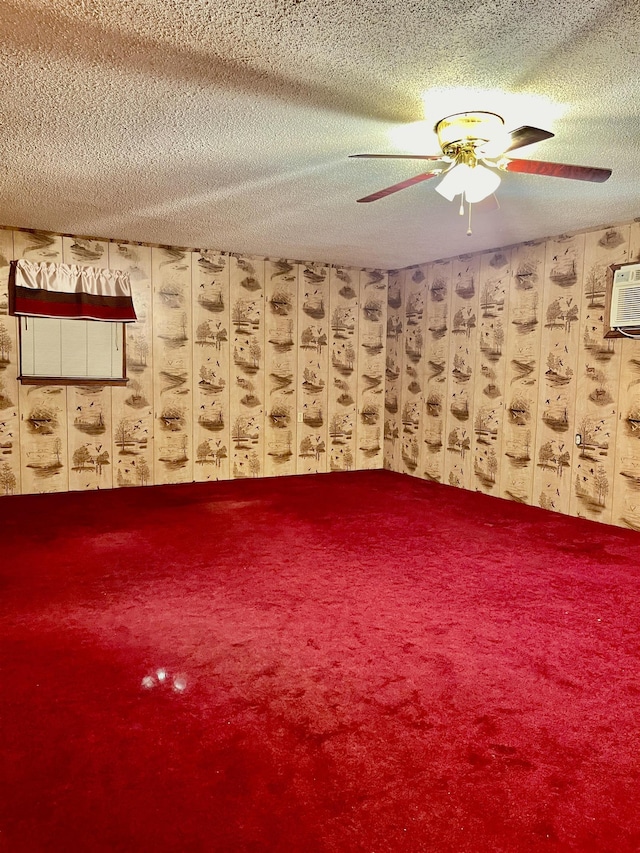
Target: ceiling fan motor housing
{"x":464,"y":132}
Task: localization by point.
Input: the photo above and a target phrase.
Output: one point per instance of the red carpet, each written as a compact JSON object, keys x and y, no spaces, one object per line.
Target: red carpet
{"x":360,"y":662}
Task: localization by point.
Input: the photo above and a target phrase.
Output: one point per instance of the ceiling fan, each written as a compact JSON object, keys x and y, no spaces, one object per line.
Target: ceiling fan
{"x":475,"y":145}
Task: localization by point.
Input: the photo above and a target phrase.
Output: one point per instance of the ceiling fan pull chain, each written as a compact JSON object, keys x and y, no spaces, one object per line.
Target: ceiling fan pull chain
{"x":469,"y":228}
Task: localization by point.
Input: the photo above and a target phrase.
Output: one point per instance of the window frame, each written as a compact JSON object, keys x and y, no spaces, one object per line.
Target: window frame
{"x":32,"y":379}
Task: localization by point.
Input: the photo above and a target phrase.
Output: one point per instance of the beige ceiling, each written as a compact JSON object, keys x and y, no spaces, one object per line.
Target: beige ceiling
{"x":228,"y":124}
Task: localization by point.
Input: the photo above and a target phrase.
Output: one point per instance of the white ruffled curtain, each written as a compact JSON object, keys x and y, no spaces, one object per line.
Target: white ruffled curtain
{"x":69,"y":291}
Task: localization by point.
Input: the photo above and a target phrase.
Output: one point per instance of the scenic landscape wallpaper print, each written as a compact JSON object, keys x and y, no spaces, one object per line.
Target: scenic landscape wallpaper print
{"x":238,"y":367}
{"x":477,"y":372}
{"x":495,"y":362}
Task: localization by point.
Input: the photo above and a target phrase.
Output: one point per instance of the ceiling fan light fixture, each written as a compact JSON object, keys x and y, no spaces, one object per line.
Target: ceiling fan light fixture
{"x":476,"y":182}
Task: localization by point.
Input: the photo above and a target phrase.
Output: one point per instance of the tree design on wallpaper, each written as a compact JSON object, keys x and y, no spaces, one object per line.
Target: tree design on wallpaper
{"x":250,"y":399}
{"x":340,"y":429}
{"x":592,"y":487}
{"x":130,"y":436}
{"x":343,"y":322}
{"x":245,"y":315}
{"x":8,"y":480}
{"x":247,"y":355}
{"x":343,"y":358}
{"x":438,"y":290}
{"x":601,"y":394}
{"x":45,"y":459}
{"x":5,"y":400}
{"x":245,"y":432}
{"x":211,"y":453}
{"x":602,"y":349}
{"x":410,"y":453}
{"x":211,"y":298}
{"x":464,"y":320}
{"x":464,"y":286}
{"x":491,"y":299}
{"x":558,"y":372}
{"x":313,"y":304}
{"x":518,"y":450}
{"x":486,"y":424}
{"x":555,"y":414}
{"x":410,"y":417}
{"x":90,"y":457}
{"x":485,"y":467}
{"x":414,"y":309}
{"x":459,"y":441}
{"x":491,"y":389}
{"x":280,"y":335}
{"x":492,"y":340}
{"x":137,"y":351}
{"x":561,"y":313}
{"x":373,"y":342}
{"x":461,"y":370}
{"x":174,"y":451}
{"x":210,"y":334}
{"x":312,"y":446}
{"x":595,"y":438}
{"x":554,"y":456}
{"x":136,"y":473}
{"x":211,"y":417}
{"x":414,"y":342}
{"x":313,"y":338}
{"x":564,"y":271}
{"x":341,"y":460}
{"x":394,"y":327}
{"x":432,"y":436}
{"x":391,"y":431}
{"x":595,"y":285}
{"x":6,"y":346}
{"x":136,"y":399}
{"x":312,"y":381}
{"x":280,"y":446}
{"x":525,"y":313}
{"x":90,"y":419}
{"x":247,"y":465}
{"x":211,"y":380}
{"x":312,"y":414}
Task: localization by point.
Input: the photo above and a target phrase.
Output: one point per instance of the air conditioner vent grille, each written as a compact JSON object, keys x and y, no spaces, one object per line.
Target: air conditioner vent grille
{"x":625,"y":301}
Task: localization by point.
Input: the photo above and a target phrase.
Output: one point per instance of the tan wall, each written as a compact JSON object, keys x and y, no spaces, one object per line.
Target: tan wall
{"x":238,"y":367}
{"x":513,"y":366}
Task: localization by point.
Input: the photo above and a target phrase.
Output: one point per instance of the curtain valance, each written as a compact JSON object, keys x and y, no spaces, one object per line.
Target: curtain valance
{"x":70,"y":292}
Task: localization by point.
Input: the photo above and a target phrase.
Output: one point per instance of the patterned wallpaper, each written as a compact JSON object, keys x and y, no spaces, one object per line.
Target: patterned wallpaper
{"x":496,"y":361}
{"x":238,"y":367}
{"x":248,"y":367}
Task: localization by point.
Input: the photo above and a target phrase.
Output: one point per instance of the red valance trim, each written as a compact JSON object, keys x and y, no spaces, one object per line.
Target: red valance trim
{"x":33,"y":301}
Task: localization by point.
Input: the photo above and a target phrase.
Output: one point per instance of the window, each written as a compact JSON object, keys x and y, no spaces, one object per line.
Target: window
{"x":71,"y":350}
{"x":72,"y":321}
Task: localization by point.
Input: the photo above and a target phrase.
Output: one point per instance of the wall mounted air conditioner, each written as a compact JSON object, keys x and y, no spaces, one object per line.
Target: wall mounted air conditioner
{"x":625,"y":297}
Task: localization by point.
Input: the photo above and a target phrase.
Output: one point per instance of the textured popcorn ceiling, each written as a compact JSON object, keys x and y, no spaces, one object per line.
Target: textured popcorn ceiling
{"x":229,"y":124}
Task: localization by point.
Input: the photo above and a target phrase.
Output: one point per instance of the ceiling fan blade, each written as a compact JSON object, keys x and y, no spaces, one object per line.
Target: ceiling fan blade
{"x":526,"y":135}
{"x":559,"y":170}
{"x":397,"y":187}
{"x":400,"y":156}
